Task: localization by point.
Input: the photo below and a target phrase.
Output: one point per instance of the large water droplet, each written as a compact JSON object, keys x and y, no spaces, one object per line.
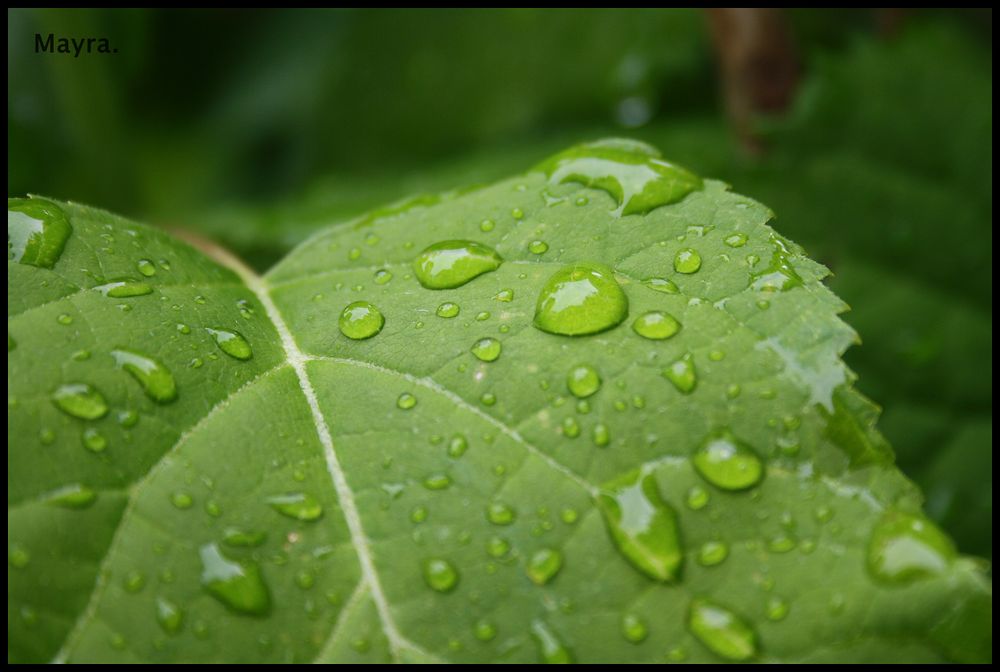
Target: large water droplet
{"x":440,"y":574}
{"x":551,"y":650}
{"x":360,"y":320}
{"x":630,"y":172}
{"x":544,"y":565}
{"x":682,"y":374}
{"x":580,"y":299}
{"x":656,"y":325}
{"x":583,"y":381}
{"x":298,"y":505}
{"x":237,"y":585}
{"x":232,"y":343}
{"x":721,"y":631}
{"x":81,"y":401}
{"x":487,"y":349}
{"x":37,"y":231}
{"x":904,"y":547}
{"x":453,"y":263}
{"x":74,"y":496}
{"x":728,"y":463}
{"x":123,"y":289}
{"x":155,"y":378}
{"x":643,"y":526}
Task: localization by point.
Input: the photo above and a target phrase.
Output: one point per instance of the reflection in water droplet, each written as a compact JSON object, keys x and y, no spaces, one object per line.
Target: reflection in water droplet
{"x":544,"y":565}
{"x":721,"y":631}
{"x":682,"y":374}
{"x":80,"y":400}
{"x":37,"y":231}
{"x":453,"y":263}
{"x":232,"y":343}
{"x":300,"y":506}
{"x":154,"y":378}
{"x":905,"y":547}
{"x":237,"y":585}
{"x":487,"y":349}
{"x":580,"y":299}
{"x":360,"y":320}
{"x":643,"y":526}
{"x":630,"y":172}
{"x":656,"y":325}
{"x":440,"y":574}
{"x":551,"y":650}
{"x":728,"y":463}
{"x":583,"y":381}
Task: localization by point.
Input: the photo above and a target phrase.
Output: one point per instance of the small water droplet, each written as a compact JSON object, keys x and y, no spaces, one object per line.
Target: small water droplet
{"x":504,"y":295}
{"x":712,"y":553}
{"x":406,"y":401}
{"x":182,"y":500}
{"x":146,"y":267}
{"x":298,"y":505}
{"x":65,"y":319}
{"x":570,"y":428}
{"x":18,"y":556}
{"x":74,"y":496}
{"x":544,"y":565}
{"x":634,"y":629}
{"x":697,"y":498}
{"x":448,"y":310}
{"x":80,"y":400}
{"x":779,"y":275}
{"x":382,"y":276}
{"x":736,"y":239}
{"x":687,"y":261}
{"x":232,"y":343}
{"x":517,"y":213}
{"x":437,"y":482}
{"x":551,"y":650}
{"x":583,"y":381}
{"x":643,"y":526}
{"x":656,"y":325}
{"x":37,"y":231}
{"x":242,"y":538}
{"x":440,"y":574}
{"x":487,"y":225}
{"x":487,"y":349}
{"x":538,"y":247}
{"x":453,"y":263}
{"x":169,"y":615}
{"x":662,"y":285}
{"x":721,"y":631}
{"x":499,"y":513}
{"x":682,"y":374}
{"x":360,"y":320}
{"x":488,"y":399}
{"x":728,"y":463}
{"x":485,"y":631}
{"x":134,"y":581}
{"x":237,"y":585}
{"x":580,"y":299}
{"x":154,"y":378}
{"x":601,"y":435}
{"x":776,"y":608}
{"x":457,"y":446}
{"x":905,"y":547}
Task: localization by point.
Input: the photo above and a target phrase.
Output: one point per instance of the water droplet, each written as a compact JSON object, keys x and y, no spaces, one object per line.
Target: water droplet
{"x":499,"y":513}
{"x":687,"y":261}
{"x":406,"y":401}
{"x":485,"y":631}
{"x":583,"y":381}
{"x":18,"y":556}
{"x":448,"y":309}
{"x":146,"y":267}
{"x":544,"y":565}
{"x":662,"y":285}
{"x":242,"y":538}
{"x":712,"y":553}
{"x":497,"y":547}
{"x":634,"y":628}
{"x":360,"y":320}
{"x":65,"y":319}
{"x":134,"y":581}
{"x":169,"y":615}
{"x":453,"y":263}
{"x":37,"y":231}
{"x":183,"y":329}
{"x":504,"y":295}
{"x":697,"y":498}
{"x":517,"y":213}
{"x":487,"y":349}
{"x":721,"y":631}
{"x":682,"y":374}
{"x":74,"y":496}
{"x":232,"y":343}
{"x":538,"y":247}
{"x":601,"y":435}
{"x":551,"y":650}
{"x":779,"y":275}
{"x":437,"y":482}
{"x":81,"y":401}
{"x":728,"y":463}
{"x":182,"y":500}
{"x":154,"y":378}
{"x":580,"y":299}
{"x":418,"y":514}
{"x":305,"y":579}
{"x":736,"y":239}
{"x":656,"y":325}
{"x":630,"y":172}
{"x":457,"y":446}
{"x":440,"y":574}
{"x":482,"y":316}
{"x":382,"y":276}
{"x":905,"y":547}
{"x":776,"y":608}
{"x":487,"y":225}
{"x":643,"y":526}
{"x":488,"y":399}
{"x":124,"y":289}
{"x":298,"y":505}
{"x":237,"y":585}
{"x":570,"y":428}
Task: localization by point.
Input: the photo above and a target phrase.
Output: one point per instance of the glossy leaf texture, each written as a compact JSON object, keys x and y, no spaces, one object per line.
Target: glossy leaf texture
{"x":628,"y":437}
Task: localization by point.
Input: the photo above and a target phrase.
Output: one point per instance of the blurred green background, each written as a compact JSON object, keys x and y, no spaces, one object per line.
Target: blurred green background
{"x":255,"y":128}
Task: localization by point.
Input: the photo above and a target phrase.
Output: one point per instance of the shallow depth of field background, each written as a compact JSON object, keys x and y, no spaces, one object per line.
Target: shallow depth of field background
{"x":255,"y":128}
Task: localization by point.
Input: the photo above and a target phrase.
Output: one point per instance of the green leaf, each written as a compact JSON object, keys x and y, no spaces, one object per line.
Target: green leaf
{"x":250,"y":484}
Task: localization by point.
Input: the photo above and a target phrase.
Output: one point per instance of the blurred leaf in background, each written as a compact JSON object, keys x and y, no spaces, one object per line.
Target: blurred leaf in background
{"x":259,"y":127}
